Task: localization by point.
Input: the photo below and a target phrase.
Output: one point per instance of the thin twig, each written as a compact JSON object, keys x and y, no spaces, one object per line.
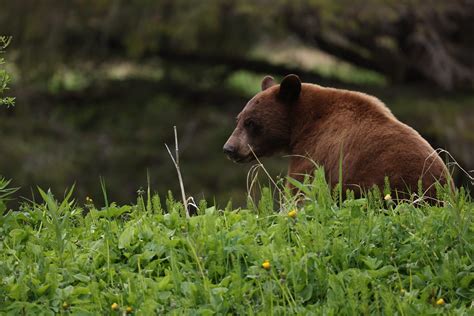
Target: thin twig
{"x":178,"y":170}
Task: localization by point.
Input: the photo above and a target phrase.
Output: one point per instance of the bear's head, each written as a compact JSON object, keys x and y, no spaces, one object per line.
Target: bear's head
{"x":263,"y":126}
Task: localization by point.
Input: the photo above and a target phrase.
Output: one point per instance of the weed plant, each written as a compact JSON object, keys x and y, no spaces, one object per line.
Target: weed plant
{"x":4,"y":75}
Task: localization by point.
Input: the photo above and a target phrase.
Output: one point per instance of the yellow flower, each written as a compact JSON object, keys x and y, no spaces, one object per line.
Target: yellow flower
{"x":129,"y":310}
{"x":388,"y":197}
{"x":65,"y":305}
{"x":266,"y":265}
{"x":114,"y":306}
{"x":292,"y":213}
{"x":440,"y":302}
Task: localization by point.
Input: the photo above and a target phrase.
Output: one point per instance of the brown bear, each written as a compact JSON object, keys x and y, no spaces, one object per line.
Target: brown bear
{"x":326,"y":126}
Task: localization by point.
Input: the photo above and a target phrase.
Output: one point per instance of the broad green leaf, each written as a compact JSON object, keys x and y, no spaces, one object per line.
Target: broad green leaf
{"x":126,"y":237}
{"x":82,"y":277}
{"x":18,"y":234}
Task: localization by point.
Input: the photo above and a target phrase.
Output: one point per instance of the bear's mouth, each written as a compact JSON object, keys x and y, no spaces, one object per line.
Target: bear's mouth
{"x":241,"y":159}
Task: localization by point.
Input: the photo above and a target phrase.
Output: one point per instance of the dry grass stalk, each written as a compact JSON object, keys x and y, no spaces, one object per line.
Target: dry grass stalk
{"x":178,"y":170}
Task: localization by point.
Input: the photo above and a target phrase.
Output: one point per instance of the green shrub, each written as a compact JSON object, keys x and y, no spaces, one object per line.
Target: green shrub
{"x":4,"y":76}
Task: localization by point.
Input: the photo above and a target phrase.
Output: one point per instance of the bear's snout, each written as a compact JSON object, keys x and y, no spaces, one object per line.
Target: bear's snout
{"x":233,"y":151}
{"x":229,"y":150}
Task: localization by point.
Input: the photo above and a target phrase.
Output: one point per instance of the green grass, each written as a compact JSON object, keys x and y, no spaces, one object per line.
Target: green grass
{"x":366,"y":256}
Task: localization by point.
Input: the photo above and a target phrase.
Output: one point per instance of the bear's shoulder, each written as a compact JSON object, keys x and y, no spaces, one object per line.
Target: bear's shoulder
{"x":358,"y":102}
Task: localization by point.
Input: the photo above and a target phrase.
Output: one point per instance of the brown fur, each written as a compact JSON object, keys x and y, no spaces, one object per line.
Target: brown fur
{"x":321,"y":123}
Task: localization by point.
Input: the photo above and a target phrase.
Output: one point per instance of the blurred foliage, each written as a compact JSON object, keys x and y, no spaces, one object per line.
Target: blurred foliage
{"x":404,"y":40}
{"x":68,"y":33}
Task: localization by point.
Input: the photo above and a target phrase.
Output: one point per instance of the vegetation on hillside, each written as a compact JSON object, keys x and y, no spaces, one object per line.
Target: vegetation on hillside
{"x":364,"y":256}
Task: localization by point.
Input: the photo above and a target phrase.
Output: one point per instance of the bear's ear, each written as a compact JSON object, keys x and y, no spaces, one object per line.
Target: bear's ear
{"x":290,"y":88}
{"x":267,"y":82}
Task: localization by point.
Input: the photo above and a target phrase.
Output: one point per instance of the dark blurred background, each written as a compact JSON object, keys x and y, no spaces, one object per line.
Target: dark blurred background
{"x":100,"y":83}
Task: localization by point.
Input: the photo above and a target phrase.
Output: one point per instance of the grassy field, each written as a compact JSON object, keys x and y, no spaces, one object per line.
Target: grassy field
{"x":364,"y":256}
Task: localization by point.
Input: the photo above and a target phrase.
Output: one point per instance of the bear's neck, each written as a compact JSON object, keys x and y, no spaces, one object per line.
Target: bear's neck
{"x":329,"y":115}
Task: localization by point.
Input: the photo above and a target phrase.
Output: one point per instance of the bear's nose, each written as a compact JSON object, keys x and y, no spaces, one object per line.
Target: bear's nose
{"x":229,"y":150}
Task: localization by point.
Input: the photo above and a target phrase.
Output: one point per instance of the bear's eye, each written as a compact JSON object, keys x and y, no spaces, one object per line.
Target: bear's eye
{"x":252,"y":126}
{"x":249,"y":124}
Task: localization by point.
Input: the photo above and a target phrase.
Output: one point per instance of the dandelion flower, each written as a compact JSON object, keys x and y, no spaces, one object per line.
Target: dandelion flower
{"x":440,"y":302}
{"x":266,"y":265}
{"x":292,"y":213}
{"x":129,"y":310}
{"x":114,"y":306}
{"x":388,"y":197}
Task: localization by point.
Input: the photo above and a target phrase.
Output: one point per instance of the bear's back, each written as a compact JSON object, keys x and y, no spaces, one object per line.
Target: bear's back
{"x":372,"y":142}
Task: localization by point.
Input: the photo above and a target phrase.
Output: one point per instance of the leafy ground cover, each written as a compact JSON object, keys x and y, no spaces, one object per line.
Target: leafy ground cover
{"x":364,"y":256}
